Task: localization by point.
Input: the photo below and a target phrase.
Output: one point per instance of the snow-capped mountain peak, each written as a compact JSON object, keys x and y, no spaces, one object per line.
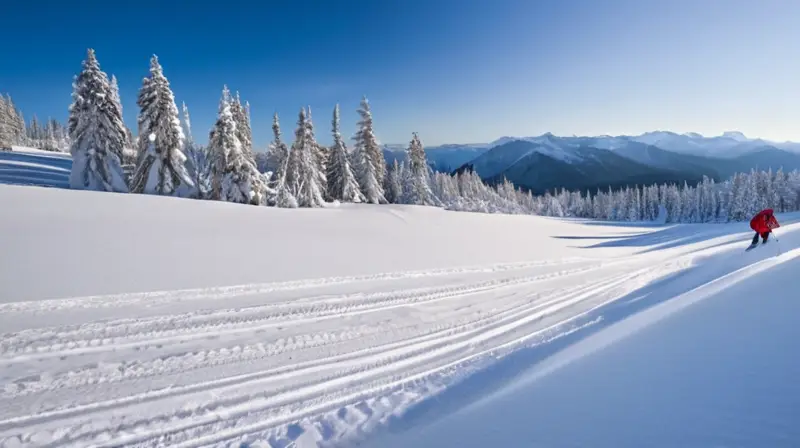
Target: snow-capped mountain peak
{"x":735,"y":135}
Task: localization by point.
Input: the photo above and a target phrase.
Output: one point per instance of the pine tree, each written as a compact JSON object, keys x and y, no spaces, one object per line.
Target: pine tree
{"x":13,"y":130}
{"x":5,"y":124}
{"x":16,"y":124}
{"x":161,"y":165}
{"x":34,"y":133}
{"x":342,"y":183}
{"x":242,"y":118}
{"x":394,"y":184}
{"x":196,"y":163}
{"x":368,"y":157}
{"x":50,"y":143}
{"x":115,"y":107}
{"x":419,"y":191}
{"x":320,"y":154}
{"x":278,"y":152}
{"x":241,"y":114}
{"x":94,"y":133}
{"x":235,"y":177}
{"x":278,"y":159}
{"x":217,"y":155}
{"x":304,"y":178}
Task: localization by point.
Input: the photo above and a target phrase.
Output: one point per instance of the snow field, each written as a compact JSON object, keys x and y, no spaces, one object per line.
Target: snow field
{"x":296,"y":326}
{"x":27,"y":166}
{"x":700,"y":358}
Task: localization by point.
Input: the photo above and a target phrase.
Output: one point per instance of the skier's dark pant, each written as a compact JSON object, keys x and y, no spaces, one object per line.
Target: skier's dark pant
{"x":763,"y":235}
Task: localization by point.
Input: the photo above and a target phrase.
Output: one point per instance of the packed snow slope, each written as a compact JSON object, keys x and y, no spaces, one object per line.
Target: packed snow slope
{"x":705,"y":358}
{"x":133,"y":320}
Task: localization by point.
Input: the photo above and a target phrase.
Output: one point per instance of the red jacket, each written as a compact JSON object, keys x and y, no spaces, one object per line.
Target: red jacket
{"x":764,"y":221}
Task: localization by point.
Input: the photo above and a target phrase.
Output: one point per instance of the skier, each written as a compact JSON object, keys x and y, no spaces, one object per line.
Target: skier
{"x":763,"y":223}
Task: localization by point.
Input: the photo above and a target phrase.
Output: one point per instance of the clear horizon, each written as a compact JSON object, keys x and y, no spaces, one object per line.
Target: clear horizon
{"x":454,"y":72}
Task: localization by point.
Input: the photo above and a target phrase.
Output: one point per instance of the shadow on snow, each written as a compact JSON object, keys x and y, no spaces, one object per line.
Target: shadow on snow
{"x":42,"y":170}
{"x":505,"y":370}
{"x":677,"y":235}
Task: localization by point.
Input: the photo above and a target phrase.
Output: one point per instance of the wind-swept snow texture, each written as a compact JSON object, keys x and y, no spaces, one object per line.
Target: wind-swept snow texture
{"x":315,"y":327}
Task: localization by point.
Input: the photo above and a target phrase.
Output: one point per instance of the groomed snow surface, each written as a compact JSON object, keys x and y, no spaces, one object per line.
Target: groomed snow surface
{"x":133,"y":320}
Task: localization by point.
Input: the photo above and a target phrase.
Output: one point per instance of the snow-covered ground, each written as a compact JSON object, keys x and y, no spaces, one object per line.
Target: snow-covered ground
{"x":132,"y":320}
{"x":706,"y":358}
{"x":27,"y":166}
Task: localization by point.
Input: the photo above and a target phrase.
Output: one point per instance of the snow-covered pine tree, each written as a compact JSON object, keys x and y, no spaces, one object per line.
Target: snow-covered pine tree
{"x":241,"y":114}
{"x":793,"y":183}
{"x":737,"y":197}
{"x":13,"y":130}
{"x":34,"y":133}
{"x":115,"y":108}
{"x":394,"y":183}
{"x":242,"y":118}
{"x":368,"y":157}
{"x":5,"y":124}
{"x":320,"y":154}
{"x":277,"y":161}
{"x":787,"y":196}
{"x":7,"y":137}
{"x":754,"y":203}
{"x":277,"y":152}
{"x":419,"y":191}
{"x":64,"y":141}
{"x":235,"y":177}
{"x":217,"y":157}
{"x":196,"y":158}
{"x":304,"y":178}
{"x":48,"y":138}
{"x":161,"y":165}
{"x":94,"y":132}
{"x":17,"y":121}
{"x":342,"y":183}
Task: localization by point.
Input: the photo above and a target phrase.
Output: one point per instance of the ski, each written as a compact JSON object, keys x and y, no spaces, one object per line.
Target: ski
{"x":753,"y":246}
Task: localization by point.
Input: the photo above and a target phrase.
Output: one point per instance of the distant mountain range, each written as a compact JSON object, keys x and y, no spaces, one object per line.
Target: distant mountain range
{"x":549,"y":162}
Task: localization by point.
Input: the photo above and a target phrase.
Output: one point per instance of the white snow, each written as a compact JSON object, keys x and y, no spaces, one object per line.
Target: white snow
{"x":704,"y":358}
{"x":313,"y":327}
{"x":545,"y":146}
{"x":735,"y":135}
{"x":28,"y":166}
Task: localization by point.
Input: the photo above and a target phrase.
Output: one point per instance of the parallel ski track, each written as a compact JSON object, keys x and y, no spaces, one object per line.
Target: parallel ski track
{"x":263,"y":400}
{"x":224,"y":292}
{"x":36,"y":344}
{"x":370,"y":335}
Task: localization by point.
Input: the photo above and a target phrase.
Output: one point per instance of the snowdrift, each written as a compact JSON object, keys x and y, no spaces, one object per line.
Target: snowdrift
{"x":150,"y":321}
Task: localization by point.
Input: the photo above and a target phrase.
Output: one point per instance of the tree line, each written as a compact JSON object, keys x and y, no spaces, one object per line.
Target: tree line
{"x":49,"y":136}
{"x":164,"y":159}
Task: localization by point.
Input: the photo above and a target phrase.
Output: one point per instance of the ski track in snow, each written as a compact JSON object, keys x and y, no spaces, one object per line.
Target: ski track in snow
{"x":339,"y":362}
{"x":159,"y":297}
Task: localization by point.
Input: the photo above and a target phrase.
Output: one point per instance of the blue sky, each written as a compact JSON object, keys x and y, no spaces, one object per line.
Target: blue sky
{"x":456,"y":71}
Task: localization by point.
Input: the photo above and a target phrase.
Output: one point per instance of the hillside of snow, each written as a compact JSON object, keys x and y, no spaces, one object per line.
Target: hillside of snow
{"x":704,"y":357}
{"x":228,"y":324}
